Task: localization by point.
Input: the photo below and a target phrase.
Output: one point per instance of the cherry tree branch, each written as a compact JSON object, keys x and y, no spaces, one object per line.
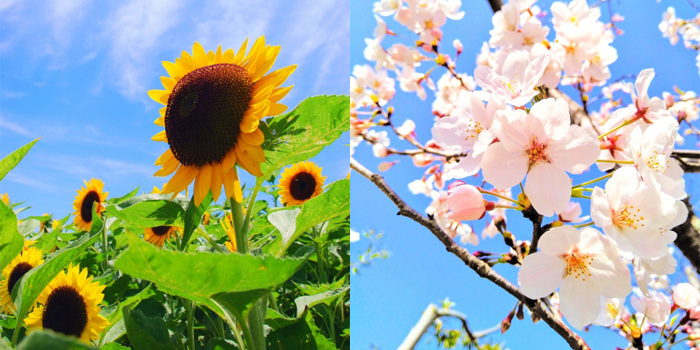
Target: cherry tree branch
{"x":495,"y":5}
{"x":480,"y":267}
{"x":429,"y":316}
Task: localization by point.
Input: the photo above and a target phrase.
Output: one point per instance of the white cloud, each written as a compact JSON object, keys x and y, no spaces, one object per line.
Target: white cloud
{"x":15,"y":128}
{"x":31,"y":181}
{"x":135,"y":32}
{"x":94,"y":166}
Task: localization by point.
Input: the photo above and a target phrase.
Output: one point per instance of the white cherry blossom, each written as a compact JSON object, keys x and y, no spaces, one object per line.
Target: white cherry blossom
{"x":516,"y":84}
{"x":586,"y":265}
{"x":656,"y":307}
{"x":686,"y":296}
{"x":544,"y":146}
{"x":634,"y":215}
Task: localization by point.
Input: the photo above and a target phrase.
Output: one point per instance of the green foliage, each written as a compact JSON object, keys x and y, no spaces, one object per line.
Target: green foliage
{"x":10,"y":162}
{"x":192,"y":293}
{"x":302,"y":133}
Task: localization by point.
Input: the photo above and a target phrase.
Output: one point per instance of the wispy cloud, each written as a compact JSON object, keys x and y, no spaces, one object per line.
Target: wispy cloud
{"x":32,"y":182}
{"x":14,"y":128}
{"x":93,"y":166}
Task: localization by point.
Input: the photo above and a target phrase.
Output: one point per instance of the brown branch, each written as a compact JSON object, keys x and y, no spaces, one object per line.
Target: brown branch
{"x":495,"y":5}
{"x":480,"y":267}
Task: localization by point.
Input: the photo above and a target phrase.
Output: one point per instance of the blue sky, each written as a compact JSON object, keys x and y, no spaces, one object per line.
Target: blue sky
{"x":76,"y":73}
{"x":389,"y":297}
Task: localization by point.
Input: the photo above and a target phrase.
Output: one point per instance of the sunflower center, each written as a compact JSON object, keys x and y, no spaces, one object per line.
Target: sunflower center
{"x":160,"y":230}
{"x":302,"y":186}
{"x":86,"y":208}
{"x":17,"y":272}
{"x":205,"y":110}
{"x":65,"y":311}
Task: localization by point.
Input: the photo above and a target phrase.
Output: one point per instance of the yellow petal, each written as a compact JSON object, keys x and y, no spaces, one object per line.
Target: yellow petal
{"x":165,"y":157}
{"x":160,"y":121}
{"x":168,"y":168}
{"x":201,"y":184}
{"x":160,"y":96}
{"x":277,"y":77}
{"x":219,"y":56}
{"x":233,"y":186}
{"x":168,"y":83}
{"x":278,"y":94}
{"x":162,"y":111}
{"x":182,"y":178}
{"x":199,"y":56}
{"x":256,"y":153}
{"x":228,"y":56}
{"x":267,"y":63}
{"x":160,"y":137}
{"x":217,"y":180}
{"x":249,"y":123}
{"x":172,"y":69}
{"x":276,"y":109}
{"x":246,"y":162}
{"x":229,"y":161}
{"x":261,"y":94}
{"x":255,"y":138}
{"x":241,"y":52}
{"x":186,"y":61}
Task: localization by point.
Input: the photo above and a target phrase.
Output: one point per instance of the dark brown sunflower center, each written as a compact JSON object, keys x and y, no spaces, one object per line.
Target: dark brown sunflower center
{"x":302,"y":186}
{"x":65,"y":311}
{"x":160,"y":230}
{"x":17,"y":272}
{"x":86,"y":208}
{"x":204,"y":112}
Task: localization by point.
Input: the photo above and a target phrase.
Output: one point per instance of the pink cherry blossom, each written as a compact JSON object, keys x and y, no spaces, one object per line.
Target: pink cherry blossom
{"x":572,"y":213}
{"x":467,"y":131}
{"x":656,"y":307}
{"x":586,"y":265}
{"x":516,"y":84}
{"x":643,"y":108}
{"x":465,"y":202}
{"x":544,"y":146}
{"x":686,"y":296}
{"x":633,"y":215}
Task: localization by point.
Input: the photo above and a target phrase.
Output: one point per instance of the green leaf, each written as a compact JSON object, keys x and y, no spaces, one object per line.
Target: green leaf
{"x":298,"y":334}
{"x":285,"y":221}
{"x":310,"y":301}
{"x":146,"y":332}
{"x":276,"y":320}
{"x":46,"y":339}
{"x":48,"y":241}
{"x":150,"y":213}
{"x":10,"y":162}
{"x":334,"y":202}
{"x":114,"y":346}
{"x":114,"y":313}
{"x":179,"y":199}
{"x":28,"y":226}
{"x":193,"y":216}
{"x":11,"y":242}
{"x":125,"y":197}
{"x":33,"y":282}
{"x":220,"y":344}
{"x":202,"y":276}
{"x":302,"y":133}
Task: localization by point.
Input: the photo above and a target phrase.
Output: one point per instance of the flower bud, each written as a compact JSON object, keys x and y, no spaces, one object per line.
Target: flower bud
{"x":465,"y":202}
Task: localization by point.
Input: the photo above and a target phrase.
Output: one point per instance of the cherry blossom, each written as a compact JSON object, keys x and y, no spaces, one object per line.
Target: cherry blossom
{"x":543,"y":145}
{"x":467,"y":131}
{"x":611,"y":311}
{"x":633,"y":215}
{"x":465,"y":202}
{"x":516,"y":84}
{"x":686,"y":296}
{"x":572,"y":213}
{"x":586,"y":265}
{"x":643,"y":108}
{"x":656,"y":307}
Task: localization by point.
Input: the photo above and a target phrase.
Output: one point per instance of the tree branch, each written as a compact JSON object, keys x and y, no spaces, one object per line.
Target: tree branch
{"x":480,"y":267}
{"x":495,"y":5}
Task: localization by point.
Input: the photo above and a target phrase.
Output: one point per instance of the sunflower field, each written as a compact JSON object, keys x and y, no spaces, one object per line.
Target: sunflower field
{"x":206,"y":262}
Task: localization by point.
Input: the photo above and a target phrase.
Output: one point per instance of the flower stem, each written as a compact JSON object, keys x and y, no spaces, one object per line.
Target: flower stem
{"x":106,"y":245}
{"x":615,"y":161}
{"x":208,"y":239}
{"x":625,"y":123}
{"x":508,"y":207}
{"x":251,"y":203}
{"x":190,"y":322}
{"x":594,"y":180}
{"x":241,"y":234}
{"x":498,"y":195}
{"x":584,"y":225}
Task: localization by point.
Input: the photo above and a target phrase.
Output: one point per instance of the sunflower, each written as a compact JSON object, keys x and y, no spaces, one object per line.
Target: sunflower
{"x":214,"y":102}
{"x":43,"y":223}
{"x":301,"y":182}
{"x":70,"y":305}
{"x":206,"y":218}
{"x":28,"y":259}
{"x":5,"y":198}
{"x":91,"y":193}
{"x":28,"y":244}
{"x":159,"y":234}
{"x":227,"y":224}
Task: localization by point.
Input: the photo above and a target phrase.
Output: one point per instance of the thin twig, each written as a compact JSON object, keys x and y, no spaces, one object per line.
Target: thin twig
{"x":480,"y":267}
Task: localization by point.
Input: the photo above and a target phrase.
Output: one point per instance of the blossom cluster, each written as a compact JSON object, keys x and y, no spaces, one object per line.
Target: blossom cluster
{"x":509,"y":124}
{"x":689,"y":30}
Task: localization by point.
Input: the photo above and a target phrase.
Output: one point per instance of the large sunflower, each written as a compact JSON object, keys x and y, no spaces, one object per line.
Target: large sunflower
{"x":214,"y":103}
{"x":301,"y":182}
{"x":28,"y":259}
{"x":159,"y":234}
{"x":70,"y":305}
{"x":91,"y":193}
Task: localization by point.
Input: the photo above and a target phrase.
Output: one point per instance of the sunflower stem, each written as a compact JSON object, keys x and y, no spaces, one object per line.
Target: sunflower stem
{"x":241,"y":233}
{"x":106,"y":245}
{"x":190,"y":323}
{"x":209,"y":240}
{"x":251,"y":202}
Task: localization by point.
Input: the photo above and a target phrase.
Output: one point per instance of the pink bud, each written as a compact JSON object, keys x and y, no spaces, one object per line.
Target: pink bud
{"x":380,"y":151}
{"x":694,"y":313}
{"x":455,"y":184}
{"x":668,"y":99}
{"x":458,"y":45}
{"x":465,"y":202}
